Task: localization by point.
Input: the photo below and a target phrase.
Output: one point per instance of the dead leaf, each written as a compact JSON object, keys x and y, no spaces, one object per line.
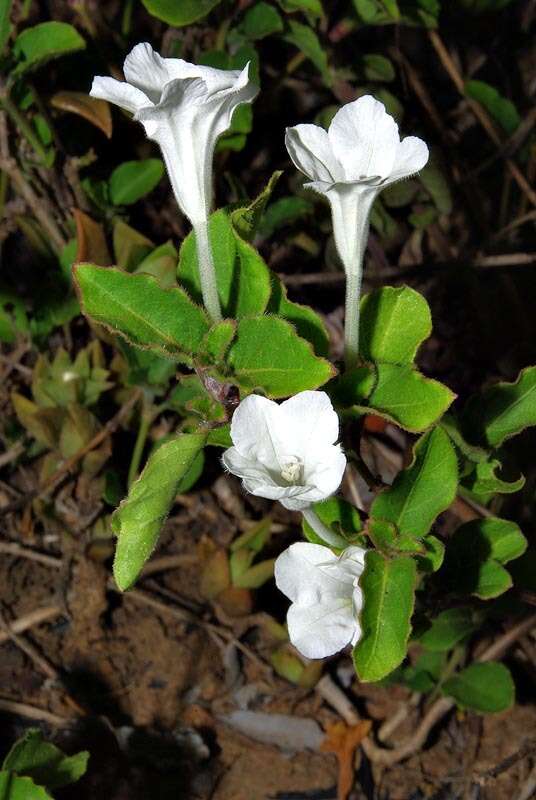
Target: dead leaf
{"x":91,"y":240}
{"x":235,"y":602}
{"x":94,"y":110}
{"x":343,"y":740}
{"x":215,"y":575}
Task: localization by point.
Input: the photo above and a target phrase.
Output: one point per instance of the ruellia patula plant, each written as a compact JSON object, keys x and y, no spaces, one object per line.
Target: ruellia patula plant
{"x":288,"y":419}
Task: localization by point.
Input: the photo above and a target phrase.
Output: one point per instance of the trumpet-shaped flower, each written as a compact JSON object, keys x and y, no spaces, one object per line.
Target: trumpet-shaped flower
{"x":287,"y":452}
{"x":184,"y":108}
{"x":325,"y":595}
{"x":350,"y":164}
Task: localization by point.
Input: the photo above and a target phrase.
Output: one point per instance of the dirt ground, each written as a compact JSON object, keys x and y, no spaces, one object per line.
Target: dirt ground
{"x":150,"y":682}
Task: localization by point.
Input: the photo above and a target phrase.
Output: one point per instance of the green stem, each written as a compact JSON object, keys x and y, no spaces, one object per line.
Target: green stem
{"x":146,"y":419}
{"x":24,"y":126}
{"x":321,"y":530}
{"x":207,"y":272}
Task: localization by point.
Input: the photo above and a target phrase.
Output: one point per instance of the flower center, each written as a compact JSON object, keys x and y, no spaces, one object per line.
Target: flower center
{"x":291,"y":470}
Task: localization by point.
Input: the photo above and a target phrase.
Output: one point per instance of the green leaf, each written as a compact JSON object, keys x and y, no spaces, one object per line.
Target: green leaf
{"x":42,"y":761}
{"x":425,"y":674}
{"x":393,"y":324}
{"x":471,"y":452}
{"x":354,"y":387}
{"x":139,"y":518}
{"x":432,"y":559}
{"x":306,"y":321}
{"x":130,"y":246}
{"x":484,"y":481}
{"x":313,"y":7}
{"x":502,"y":411}
{"x":36,"y":45}
{"x":192,"y":475}
{"x":388,"y":587}
{"x":408,"y":398}
{"x":180,"y":13}
{"x":436,"y":184}
{"x":268,"y":354}
{"x":282,"y":212}
{"x":339,"y":515}
{"x":256,"y":576}
{"x":12,"y":787}
{"x":502,"y":110}
{"x":476,"y":553}
{"x":247,"y":218}
{"x":306,"y":40}
{"x":261,"y":20}
{"x":135,"y":306}
{"x":161,"y":264}
{"x":132,"y":180}
{"x":378,"y":68}
{"x":13,"y":318}
{"x":242,"y":276}
{"x":486,"y":687}
{"x":217,"y":341}
{"x":5,"y":23}
{"x":423,"y":490}
{"x":449,"y":628}
{"x":400,"y":194}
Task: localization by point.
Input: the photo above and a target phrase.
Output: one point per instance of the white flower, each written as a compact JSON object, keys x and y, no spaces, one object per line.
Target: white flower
{"x":184,"y":108}
{"x":287,"y":452}
{"x":325,"y":595}
{"x":352,"y":162}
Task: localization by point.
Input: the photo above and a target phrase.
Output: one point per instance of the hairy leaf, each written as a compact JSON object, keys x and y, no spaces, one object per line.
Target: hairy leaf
{"x":139,"y":518}
{"x":268,"y":354}
{"x":487,"y":687}
{"x":132,"y":180}
{"x":13,"y":787}
{"x":423,"y":490}
{"x":36,"y":45}
{"x":44,"y":762}
{"x":502,"y":410}
{"x":449,"y":628}
{"x":393,"y":324}
{"x":242,"y":276}
{"x":180,"y":13}
{"x":476,"y":554}
{"x":135,"y":306}
{"x":408,"y":398}
{"x":388,"y":587}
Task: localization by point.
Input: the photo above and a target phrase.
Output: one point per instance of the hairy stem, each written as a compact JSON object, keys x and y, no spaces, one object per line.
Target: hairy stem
{"x":321,"y":530}
{"x":351,"y":319}
{"x":207,"y":272}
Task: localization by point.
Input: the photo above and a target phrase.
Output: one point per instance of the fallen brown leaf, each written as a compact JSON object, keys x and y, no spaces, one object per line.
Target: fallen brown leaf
{"x":343,"y":740}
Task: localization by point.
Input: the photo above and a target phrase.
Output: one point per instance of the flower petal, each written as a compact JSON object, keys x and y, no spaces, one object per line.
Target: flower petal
{"x":412,"y":155}
{"x":226,"y":98}
{"x":324,"y":474}
{"x":308,"y":574}
{"x":254,"y":430}
{"x":322,"y":630}
{"x":310,"y":150}
{"x":146,"y":70}
{"x":364,"y":138}
{"x":246,"y":468}
{"x":311,"y":420}
{"x":119,"y":93}
{"x":322,"y":618}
